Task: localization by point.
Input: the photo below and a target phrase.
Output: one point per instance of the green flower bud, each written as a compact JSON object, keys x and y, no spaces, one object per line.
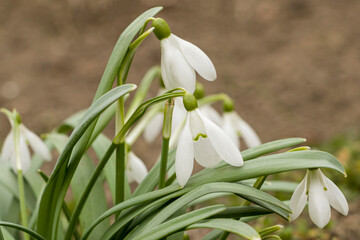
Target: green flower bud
{"x":199,"y":91}
{"x":190,"y":102}
{"x":162,"y":29}
{"x":228,"y":105}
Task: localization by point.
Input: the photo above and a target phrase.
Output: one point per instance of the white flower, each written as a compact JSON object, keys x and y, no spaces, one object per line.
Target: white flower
{"x":26,"y":137}
{"x":136,"y":170}
{"x":212,"y":114}
{"x":321,"y":193}
{"x":179,"y":60}
{"x":206,"y":142}
{"x":235,"y":126}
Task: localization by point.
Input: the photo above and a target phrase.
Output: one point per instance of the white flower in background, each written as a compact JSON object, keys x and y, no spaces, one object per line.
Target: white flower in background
{"x":180,"y":59}
{"x":212,"y":114}
{"x":236,"y":127}
{"x":321,"y":193}
{"x":25,"y":137}
{"x":203,"y":140}
{"x":136,"y":170}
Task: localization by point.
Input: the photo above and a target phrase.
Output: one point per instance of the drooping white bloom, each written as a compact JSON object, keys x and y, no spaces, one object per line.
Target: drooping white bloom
{"x":321,"y":193}
{"x":235,"y":126}
{"x":136,"y":170}
{"x":179,"y":61}
{"x":206,"y":142}
{"x":25,"y":137}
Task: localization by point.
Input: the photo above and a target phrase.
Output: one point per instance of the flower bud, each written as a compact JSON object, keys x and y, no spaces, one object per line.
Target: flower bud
{"x":199,"y":91}
{"x":228,"y":105}
{"x":190,"y":102}
{"x":162,"y":29}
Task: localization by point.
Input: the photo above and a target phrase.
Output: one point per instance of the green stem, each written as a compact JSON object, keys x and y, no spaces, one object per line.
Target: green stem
{"x":258,"y":183}
{"x":168,"y":110}
{"x":164,"y":158}
{"x":22,"y":201}
{"x":94,"y":177}
{"x":213,"y":98}
{"x":120,"y":173}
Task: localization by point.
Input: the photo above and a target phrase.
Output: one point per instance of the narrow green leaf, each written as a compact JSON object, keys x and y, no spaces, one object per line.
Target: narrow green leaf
{"x":179,"y":223}
{"x":242,"y":211}
{"x":268,"y":165}
{"x":275,"y":186}
{"x":143,"y":89}
{"x":242,"y":229}
{"x":239,"y":189}
{"x":96,"y":203}
{"x":270,"y":230}
{"x":120,"y":49}
{"x":23,"y":229}
{"x":59,"y":181}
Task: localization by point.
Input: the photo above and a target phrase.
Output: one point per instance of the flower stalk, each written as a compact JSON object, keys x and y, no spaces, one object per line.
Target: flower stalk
{"x":166,"y":133}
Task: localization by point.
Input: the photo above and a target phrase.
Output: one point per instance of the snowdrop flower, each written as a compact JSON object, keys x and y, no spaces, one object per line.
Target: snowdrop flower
{"x":321,"y":193}
{"x":25,"y":137}
{"x":180,"y":59}
{"x":136,"y":170}
{"x":236,"y":127}
{"x":203,"y":140}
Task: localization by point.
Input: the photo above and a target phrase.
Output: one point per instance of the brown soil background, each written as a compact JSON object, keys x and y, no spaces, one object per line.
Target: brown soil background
{"x":291,"y":66}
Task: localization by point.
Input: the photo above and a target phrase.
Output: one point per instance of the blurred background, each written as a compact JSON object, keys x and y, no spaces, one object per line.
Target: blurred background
{"x":291,"y":66}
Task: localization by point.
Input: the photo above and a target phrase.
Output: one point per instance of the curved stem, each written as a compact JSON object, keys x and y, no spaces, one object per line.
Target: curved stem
{"x":168,"y":110}
{"x":22,"y":202}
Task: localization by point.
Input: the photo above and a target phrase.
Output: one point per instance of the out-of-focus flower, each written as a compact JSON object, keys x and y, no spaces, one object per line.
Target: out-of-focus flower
{"x":203,"y":140}
{"x":136,"y":170}
{"x":25,"y":137}
{"x":236,"y":127}
{"x":321,"y":193}
{"x":180,"y":59}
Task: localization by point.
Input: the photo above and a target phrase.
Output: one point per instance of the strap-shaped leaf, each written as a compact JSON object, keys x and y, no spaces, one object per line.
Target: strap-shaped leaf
{"x":239,"y":189}
{"x":242,"y":229}
{"x":23,"y":229}
{"x":268,"y":165}
{"x":57,"y":185}
{"x":179,"y":223}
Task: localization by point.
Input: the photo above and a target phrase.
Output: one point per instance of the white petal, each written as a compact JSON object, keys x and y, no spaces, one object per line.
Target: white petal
{"x":336,"y":198}
{"x":175,"y":70}
{"x":212,"y":114}
{"x":229,"y":128}
{"x":36,"y":143}
{"x":25,"y":156}
{"x":319,"y":207}
{"x":153,"y":128}
{"x":197,"y":59}
{"x":249,"y":135}
{"x":137,"y":170}
{"x":8,"y":150}
{"x":184,"y":159}
{"x":222,"y":144}
{"x":205,"y":153}
{"x":298,"y":199}
{"x":179,"y":114}
{"x":196,"y":125}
